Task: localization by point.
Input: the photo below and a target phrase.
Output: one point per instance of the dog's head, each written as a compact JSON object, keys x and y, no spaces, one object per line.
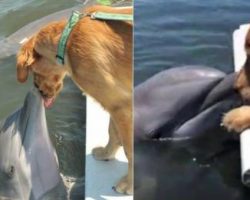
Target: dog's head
{"x":48,"y":76}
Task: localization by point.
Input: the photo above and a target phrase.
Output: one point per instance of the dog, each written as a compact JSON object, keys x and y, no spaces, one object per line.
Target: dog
{"x":238,"y":119}
{"x":99,"y":60}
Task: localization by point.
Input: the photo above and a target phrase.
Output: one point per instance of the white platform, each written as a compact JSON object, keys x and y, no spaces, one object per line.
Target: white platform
{"x":100,"y":176}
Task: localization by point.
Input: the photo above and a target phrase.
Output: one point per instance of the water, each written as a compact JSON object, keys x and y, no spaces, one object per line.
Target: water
{"x":181,"y":32}
{"x":66,"y":120}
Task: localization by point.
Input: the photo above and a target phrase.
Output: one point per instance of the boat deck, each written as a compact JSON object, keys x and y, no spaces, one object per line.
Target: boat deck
{"x":100,"y":176}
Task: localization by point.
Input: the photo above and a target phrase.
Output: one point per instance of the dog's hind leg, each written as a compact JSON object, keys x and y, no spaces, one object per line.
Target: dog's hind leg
{"x":108,"y":152}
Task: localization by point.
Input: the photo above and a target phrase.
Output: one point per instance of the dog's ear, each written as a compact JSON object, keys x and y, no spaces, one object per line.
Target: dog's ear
{"x":25,"y":58}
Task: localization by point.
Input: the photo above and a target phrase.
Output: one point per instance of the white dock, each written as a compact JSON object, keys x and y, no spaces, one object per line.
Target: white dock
{"x":100,"y":176}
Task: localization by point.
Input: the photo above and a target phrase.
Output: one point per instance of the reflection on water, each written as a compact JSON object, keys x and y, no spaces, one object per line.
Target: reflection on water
{"x":181,"y":32}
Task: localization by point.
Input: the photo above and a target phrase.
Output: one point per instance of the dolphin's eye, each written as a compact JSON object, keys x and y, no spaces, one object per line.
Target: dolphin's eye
{"x":11,"y":171}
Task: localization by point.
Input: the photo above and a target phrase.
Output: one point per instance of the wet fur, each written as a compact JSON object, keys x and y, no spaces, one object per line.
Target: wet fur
{"x":99,"y":61}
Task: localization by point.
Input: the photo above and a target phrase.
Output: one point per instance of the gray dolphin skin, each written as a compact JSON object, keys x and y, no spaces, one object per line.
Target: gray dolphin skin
{"x":28,"y":162}
{"x":182,"y":102}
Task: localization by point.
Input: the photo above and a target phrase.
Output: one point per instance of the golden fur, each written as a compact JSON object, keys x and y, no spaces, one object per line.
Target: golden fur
{"x":99,"y":61}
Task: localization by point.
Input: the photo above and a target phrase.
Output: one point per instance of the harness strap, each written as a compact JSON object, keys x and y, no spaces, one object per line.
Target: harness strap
{"x":111,"y":16}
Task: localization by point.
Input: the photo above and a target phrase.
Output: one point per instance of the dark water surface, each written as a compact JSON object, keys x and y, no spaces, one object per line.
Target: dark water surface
{"x":180,"y":32}
{"x":170,"y":33}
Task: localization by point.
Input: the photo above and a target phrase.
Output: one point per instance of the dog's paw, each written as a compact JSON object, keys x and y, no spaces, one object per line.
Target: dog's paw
{"x":236,"y":120}
{"x":124,"y":186}
{"x":101,"y":153}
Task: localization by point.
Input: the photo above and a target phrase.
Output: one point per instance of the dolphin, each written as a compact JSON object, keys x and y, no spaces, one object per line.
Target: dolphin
{"x":183,"y":102}
{"x":179,"y":143}
{"x":28,"y":161}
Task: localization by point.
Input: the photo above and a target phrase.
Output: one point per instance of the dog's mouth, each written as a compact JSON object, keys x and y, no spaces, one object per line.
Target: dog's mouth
{"x":48,"y":101}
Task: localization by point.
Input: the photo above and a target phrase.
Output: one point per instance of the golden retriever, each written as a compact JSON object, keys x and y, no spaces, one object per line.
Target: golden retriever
{"x":99,"y":60}
{"x":238,"y":119}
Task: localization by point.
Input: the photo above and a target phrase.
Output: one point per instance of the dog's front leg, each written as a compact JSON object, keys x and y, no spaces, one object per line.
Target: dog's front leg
{"x":237,"y":119}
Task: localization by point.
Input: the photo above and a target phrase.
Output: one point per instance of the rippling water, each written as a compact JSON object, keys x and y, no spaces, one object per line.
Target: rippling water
{"x":180,"y":32}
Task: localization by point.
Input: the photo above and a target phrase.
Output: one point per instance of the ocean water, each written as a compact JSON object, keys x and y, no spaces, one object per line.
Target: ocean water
{"x":185,"y":32}
{"x":171,"y":33}
{"x":66,"y":120}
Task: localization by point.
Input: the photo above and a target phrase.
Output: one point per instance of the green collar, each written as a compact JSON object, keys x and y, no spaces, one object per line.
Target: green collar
{"x":75,"y":17}
{"x":65,"y":35}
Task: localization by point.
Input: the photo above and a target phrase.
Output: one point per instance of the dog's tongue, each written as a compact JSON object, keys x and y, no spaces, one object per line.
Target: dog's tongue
{"x":48,"y":102}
